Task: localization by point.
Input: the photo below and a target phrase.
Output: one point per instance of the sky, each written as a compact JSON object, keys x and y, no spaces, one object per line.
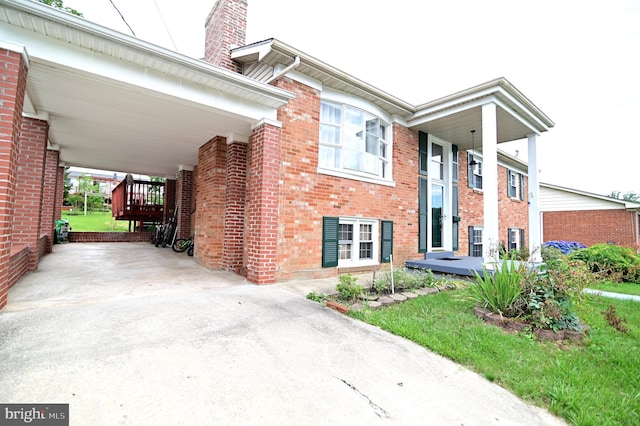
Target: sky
{"x":576,"y":60}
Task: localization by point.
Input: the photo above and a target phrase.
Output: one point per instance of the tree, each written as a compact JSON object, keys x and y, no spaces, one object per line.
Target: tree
{"x":58,"y":4}
{"x":634,"y":197}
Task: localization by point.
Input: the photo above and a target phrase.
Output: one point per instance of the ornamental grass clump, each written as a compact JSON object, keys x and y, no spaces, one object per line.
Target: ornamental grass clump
{"x":498,"y":290}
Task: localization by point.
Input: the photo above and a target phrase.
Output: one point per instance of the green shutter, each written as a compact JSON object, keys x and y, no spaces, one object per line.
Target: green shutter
{"x":511,"y":191}
{"x":455,"y":218}
{"x":386,"y":249}
{"x":522,"y":240}
{"x":423,"y":192}
{"x":330,"y":241}
{"x":454,"y":166}
{"x":470,"y":177}
{"x":423,"y":159}
{"x":522,"y":195}
{"x":471,"y":241}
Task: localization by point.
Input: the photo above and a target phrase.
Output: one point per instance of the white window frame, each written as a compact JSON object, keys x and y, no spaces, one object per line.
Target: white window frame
{"x":472,"y":241}
{"x":384,"y":162}
{"x":514,"y":238}
{"x":354,"y":260}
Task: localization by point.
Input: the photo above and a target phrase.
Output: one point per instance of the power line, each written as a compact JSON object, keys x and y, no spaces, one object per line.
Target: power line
{"x":165,"y":25}
{"x":124,"y":20}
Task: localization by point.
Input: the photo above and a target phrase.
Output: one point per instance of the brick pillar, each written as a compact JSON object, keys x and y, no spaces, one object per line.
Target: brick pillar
{"x":184,"y":194}
{"x":29,"y":186}
{"x":57,"y":206}
{"x":210,"y":198}
{"x":49,"y":191}
{"x":13,"y":80}
{"x":234,"y":207}
{"x":169,"y":198}
{"x":262,"y":204}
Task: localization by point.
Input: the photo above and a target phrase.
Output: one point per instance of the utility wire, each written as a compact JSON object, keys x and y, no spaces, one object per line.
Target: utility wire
{"x":165,"y":26}
{"x":125,"y":21}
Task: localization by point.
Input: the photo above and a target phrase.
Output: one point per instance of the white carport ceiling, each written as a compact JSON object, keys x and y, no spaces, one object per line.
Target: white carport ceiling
{"x":116,"y":103}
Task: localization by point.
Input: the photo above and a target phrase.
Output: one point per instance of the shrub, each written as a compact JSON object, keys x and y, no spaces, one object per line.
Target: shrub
{"x":616,"y":262}
{"x":404,"y":279}
{"x":348,"y":289}
{"x":565,"y":247}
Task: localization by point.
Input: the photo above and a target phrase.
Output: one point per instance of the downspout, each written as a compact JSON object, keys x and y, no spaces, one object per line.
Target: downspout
{"x":282,"y":73}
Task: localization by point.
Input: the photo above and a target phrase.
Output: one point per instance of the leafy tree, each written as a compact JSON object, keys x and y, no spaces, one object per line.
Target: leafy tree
{"x":634,"y":197}
{"x":58,"y":4}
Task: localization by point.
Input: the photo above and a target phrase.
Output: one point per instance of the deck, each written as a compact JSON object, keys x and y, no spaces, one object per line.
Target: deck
{"x":138,"y":201}
{"x":447,"y":263}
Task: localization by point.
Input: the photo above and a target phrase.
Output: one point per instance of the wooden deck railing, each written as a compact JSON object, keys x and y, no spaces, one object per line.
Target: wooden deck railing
{"x":138,"y":200}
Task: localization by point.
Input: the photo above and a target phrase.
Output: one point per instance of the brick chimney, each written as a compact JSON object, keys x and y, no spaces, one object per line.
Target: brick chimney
{"x":225,"y":28}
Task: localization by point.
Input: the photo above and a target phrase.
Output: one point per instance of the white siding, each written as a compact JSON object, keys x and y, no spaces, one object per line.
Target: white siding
{"x":553,"y":200}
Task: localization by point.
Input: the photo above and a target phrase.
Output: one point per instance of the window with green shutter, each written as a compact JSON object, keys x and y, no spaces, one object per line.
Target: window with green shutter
{"x":423,"y":158}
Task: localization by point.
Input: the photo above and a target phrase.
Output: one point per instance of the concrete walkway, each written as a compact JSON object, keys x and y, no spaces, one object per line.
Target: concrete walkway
{"x":131,"y":334}
{"x":612,"y":295}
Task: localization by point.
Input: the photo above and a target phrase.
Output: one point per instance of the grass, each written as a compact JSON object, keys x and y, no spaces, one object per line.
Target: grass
{"x":593,"y":382}
{"x":95,"y":222}
{"x":624,"y":288}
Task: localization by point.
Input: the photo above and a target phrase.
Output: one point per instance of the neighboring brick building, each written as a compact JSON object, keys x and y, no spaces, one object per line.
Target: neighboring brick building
{"x":281,"y":165}
{"x":574,"y":215}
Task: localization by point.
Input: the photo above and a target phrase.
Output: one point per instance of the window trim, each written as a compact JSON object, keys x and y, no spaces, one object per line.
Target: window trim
{"x":387,"y":140}
{"x":516,"y":192}
{"x":471,"y":176}
{"x":473,"y":245}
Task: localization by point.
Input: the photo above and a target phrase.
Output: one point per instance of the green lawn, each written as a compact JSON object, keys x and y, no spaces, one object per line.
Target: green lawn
{"x":96,"y":222}
{"x":593,"y":382}
{"x":624,"y":288}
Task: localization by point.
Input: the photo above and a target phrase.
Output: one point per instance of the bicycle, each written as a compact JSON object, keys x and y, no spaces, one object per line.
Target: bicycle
{"x":182,"y":244}
{"x":168,"y":233}
{"x":156,"y":235}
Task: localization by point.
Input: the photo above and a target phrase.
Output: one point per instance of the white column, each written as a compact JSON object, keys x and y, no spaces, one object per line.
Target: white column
{"x":535,"y":239}
{"x":491,"y":233}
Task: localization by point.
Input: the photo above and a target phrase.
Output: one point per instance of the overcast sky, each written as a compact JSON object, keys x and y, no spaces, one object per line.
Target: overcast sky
{"x":576,"y":60}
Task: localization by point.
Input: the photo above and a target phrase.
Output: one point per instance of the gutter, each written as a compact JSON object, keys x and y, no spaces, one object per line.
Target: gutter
{"x":282,"y":73}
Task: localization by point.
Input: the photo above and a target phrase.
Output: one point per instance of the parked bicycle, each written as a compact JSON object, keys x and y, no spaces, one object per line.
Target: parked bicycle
{"x":168,"y":233}
{"x":156,"y":235}
{"x":182,"y":244}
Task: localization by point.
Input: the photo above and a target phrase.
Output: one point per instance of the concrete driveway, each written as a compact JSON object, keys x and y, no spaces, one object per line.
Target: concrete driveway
{"x":128,"y":333}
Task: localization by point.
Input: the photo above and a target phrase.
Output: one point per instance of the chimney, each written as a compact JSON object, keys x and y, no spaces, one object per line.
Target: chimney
{"x":225,"y":28}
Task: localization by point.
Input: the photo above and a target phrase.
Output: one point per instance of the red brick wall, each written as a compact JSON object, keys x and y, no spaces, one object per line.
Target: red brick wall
{"x":262,"y":204}
{"x":29,"y":186}
{"x":306,"y":196}
{"x":13,"y":78}
{"x":235,"y":204}
{"x":169,"y":198}
{"x":591,"y":227}
{"x":109,"y":237}
{"x":225,"y":28}
{"x":209,"y":214}
{"x":18,"y":264}
{"x":511,"y":213}
{"x":47,"y":224}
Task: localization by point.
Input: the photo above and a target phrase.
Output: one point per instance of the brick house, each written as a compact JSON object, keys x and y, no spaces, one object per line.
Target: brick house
{"x":282,"y":165}
{"x":574,"y":215}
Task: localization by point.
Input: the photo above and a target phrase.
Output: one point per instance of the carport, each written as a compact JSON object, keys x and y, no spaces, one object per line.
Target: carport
{"x":79,"y":94}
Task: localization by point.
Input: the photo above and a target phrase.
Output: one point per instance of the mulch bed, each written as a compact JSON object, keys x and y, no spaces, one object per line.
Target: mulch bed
{"x":515,"y":325}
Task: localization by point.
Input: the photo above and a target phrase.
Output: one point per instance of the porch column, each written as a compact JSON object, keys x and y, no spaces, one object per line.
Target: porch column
{"x":184,"y":198}
{"x":169,"y":199}
{"x":234,"y":206}
{"x":49,"y":192}
{"x":29,"y":187}
{"x":262,"y":203}
{"x":13,"y":81}
{"x":491,"y":233}
{"x":535,"y":239}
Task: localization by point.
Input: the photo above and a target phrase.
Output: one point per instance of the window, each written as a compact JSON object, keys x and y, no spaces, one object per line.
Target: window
{"x":353,"y":141}
{"x":355,"y":241}
{"x":474,"y":171}
{"x":515,"y":185}
{"x":475,"y":241}
{"x":516,"y":239}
